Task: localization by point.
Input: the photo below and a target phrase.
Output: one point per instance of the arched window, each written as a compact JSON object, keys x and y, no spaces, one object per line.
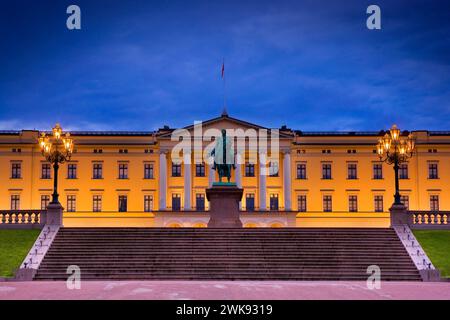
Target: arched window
{"x":250,"y":225}
{"x":174,"y":225}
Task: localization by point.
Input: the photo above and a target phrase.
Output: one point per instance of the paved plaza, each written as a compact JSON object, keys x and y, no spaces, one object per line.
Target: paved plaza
{"x":224,"y":290}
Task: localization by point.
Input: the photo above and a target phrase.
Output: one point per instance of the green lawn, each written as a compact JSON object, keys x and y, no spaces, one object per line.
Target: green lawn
{"x":14,"y":246}
{"x":436,"y":244}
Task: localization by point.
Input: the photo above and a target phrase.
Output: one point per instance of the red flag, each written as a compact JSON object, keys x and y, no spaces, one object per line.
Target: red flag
{"x":223,"y":69}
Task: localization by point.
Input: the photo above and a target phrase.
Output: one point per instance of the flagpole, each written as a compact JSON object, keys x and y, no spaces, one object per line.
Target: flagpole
{"x":224,"y":89}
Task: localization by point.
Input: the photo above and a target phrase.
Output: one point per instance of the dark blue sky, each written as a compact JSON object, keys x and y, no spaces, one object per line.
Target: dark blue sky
{"x":137,"y":65}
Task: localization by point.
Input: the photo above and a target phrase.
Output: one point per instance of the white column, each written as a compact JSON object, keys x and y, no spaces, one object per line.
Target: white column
{"x":287,"y":181}
{"x":187,"y":181}
{"x":238,"y":174}
{"x":211,"y":173}
{"x":262,"y":182}
{"x":238,"y":171}
{"x":162,"y":180}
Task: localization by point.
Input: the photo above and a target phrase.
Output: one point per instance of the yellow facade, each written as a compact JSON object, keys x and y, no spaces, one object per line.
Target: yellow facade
{"x":145,"y":196}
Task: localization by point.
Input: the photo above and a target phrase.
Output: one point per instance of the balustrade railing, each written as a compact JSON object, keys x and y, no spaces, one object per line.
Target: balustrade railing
{"x":22,"y":219}
{"x":430,"y":219}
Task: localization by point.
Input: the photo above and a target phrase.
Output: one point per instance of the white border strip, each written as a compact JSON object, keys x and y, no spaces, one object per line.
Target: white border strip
{"x":415,"y":250}
{"x":41,"y":245}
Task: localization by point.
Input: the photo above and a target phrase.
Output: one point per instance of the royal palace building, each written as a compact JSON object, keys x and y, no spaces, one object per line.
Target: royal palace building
{"x":332,"y":179}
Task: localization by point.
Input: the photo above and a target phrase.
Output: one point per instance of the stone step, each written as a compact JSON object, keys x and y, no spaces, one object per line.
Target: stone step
{"x":231,"y":268}
{"x":119,"y":258}
{"x":232,"y":236}
{"x":217,"y":273}
{"x":222,"y":239}
{"x":229,"y":230}
{"x":180,"y":251}
{"x":249,"y":242}
{"x":199,"y":238}
{"x":238,"y":276}
{"x":299,"y":247}
{"x":302,"y":247}
{"x":227,"y":254}
{"x":237,"y":270}
{"x":216,"y":255}
{"x":158,"y":237}
{"x":110,"y":262}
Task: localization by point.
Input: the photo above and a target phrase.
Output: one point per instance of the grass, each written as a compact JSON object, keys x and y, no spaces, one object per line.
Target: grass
{"x":436,"y":244}
{"x":14,"y":246}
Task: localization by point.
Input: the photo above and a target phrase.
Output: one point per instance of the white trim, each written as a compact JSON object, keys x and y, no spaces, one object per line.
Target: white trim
{"x":415,"y":250}
{"x":40,"y":247}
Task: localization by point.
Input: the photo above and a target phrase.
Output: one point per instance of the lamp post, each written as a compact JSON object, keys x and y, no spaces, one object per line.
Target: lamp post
{"x":57,"y":149}
{"x":395,"y":150}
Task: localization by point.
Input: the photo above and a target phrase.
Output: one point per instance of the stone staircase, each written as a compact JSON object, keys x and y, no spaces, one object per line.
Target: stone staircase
{"x":226,"y":254}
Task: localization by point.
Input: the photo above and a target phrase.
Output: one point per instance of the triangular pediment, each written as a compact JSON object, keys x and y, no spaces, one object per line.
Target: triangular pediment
{"x":226,"y":122}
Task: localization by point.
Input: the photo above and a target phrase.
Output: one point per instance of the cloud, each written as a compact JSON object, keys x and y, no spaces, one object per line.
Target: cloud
{"x":9,"y":124}
{"x":305,"y":64}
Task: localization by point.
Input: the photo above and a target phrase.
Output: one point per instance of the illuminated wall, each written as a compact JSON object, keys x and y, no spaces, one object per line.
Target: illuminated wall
{"x":137,"y":149}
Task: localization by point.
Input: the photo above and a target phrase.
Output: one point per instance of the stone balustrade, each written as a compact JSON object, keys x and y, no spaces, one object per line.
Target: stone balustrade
{"x":430,"y":219}
{"x":22,"y":219}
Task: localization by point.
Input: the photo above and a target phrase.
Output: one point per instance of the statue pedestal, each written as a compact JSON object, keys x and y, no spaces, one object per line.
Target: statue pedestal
{"x":224,"y":205}
{"x":54,"y":214}
{"x":399,"y":215}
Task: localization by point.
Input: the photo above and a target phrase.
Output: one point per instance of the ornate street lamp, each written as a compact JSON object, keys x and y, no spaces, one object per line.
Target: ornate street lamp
{"x":57,"y":148}
{"x":395,"y":150}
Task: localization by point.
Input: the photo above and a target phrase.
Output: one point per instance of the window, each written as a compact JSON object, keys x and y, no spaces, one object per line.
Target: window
{"x":377,"y":171}
{"x":71,"y":171}
{"x":123,"y":203}
{"x":434,"y":203}
{"x":176,"y":170}
{"x":45,"y":171}
{"x":353,"y":203}
{"x":16,"y":170}
{"x":327,"y":204}
{"x":97,"y":203}
{"x":301,"y":170}
{"x":250,"y":202}
{"x":405,"y":201}
{"x":432,"y":171}
{"x":200,"y":170}
{"x":15,"y":202}
{"x":326,"y":171}
{"x":352,"y":172}
{"x":378,"y":201}
{"x":274,"y":169}
{"x":274,"y":201}
{"x":176,"y":202}
{"x":97,"y":171}
{"x":301,"y":202}
{"x":148,"y":203}
{"x":71,"y":203}
{"x":249,"y":170}
{"x":45,"y":200}
{"x":200,"y":202}
{"x":123,"y":171}
{"x":403,"y":171}
{"x":148,"y":171}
